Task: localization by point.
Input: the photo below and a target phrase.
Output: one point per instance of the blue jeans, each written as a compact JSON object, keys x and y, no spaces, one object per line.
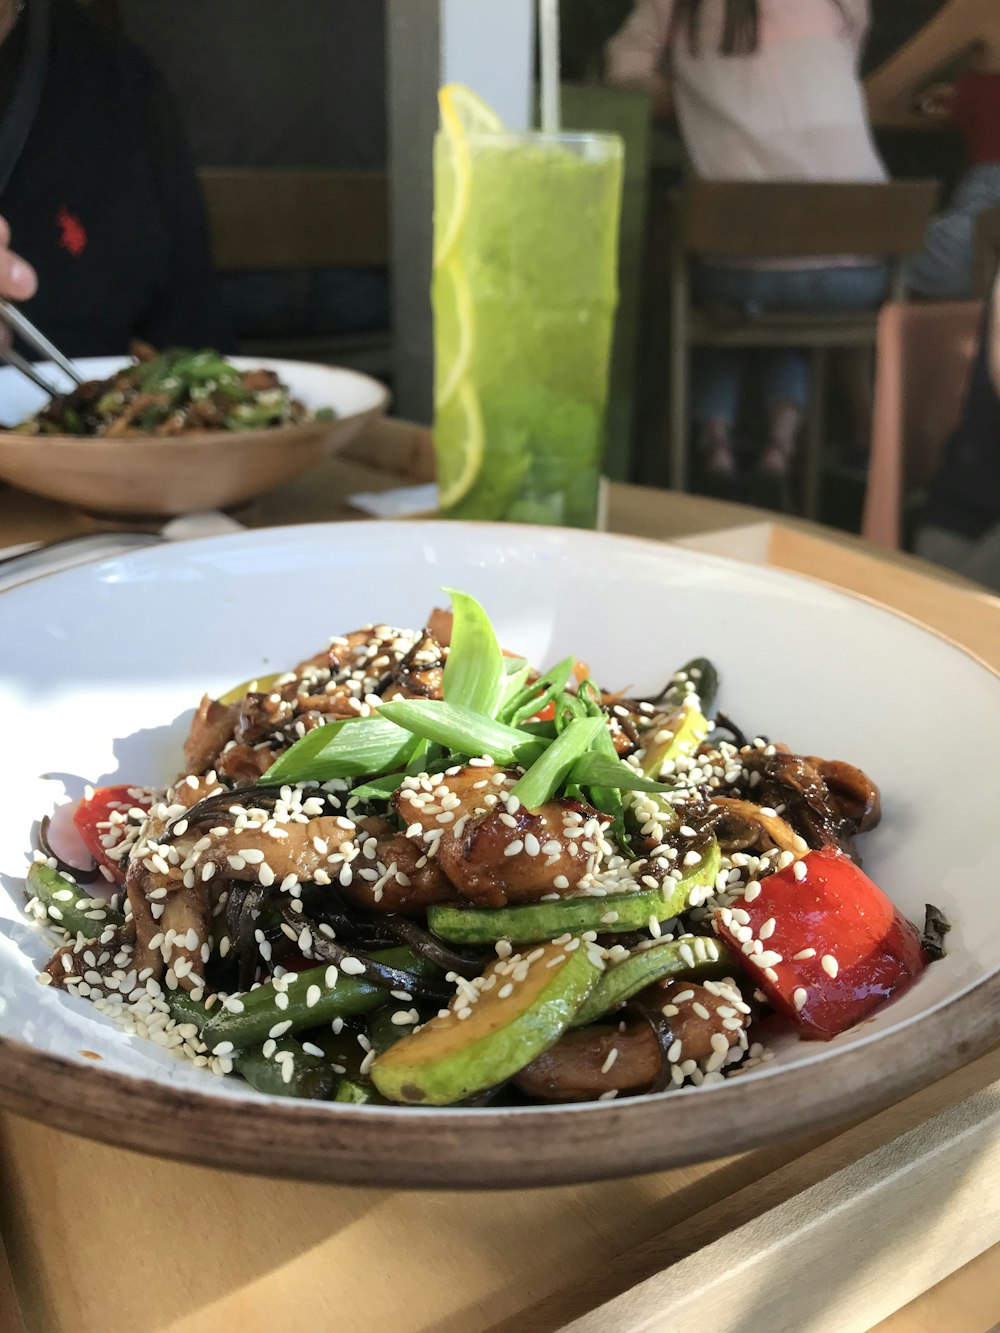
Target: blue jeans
{"x":719,"y":374}
{"x":942,"y":270}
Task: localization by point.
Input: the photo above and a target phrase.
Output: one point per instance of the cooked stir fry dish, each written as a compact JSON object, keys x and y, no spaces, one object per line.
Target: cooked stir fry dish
{"x":416,"y":870}
{"x":172,"y":393}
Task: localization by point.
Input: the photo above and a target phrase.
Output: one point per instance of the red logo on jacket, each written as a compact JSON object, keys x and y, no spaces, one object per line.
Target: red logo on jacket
{"x":72,"y":236}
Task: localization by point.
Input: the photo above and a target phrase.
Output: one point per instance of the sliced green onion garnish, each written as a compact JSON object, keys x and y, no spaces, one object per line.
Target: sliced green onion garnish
{"x":596,"y":769}
{"x":474,"y":672}
{"x":540,"y":693}
{"x":462,"y":730}
{"x":547,"y":774}
{"x":354,"y":748}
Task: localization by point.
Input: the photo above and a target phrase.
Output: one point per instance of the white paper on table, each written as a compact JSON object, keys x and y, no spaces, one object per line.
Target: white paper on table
{"x":400,"y":502}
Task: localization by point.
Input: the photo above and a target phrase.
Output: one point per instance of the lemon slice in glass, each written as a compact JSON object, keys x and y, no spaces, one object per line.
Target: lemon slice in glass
{"x":458,"y":466}
{"x":453,"y":317}
{"x":462,"y":114}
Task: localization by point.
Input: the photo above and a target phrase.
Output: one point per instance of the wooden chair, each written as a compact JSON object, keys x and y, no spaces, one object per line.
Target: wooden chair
{"x":746,"y":220}
{"x":987,"y":259}
{"x":924,"y":356}
{"x":300,"y":220}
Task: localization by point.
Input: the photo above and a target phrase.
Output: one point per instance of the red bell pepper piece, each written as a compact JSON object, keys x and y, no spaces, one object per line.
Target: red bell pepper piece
{"x":92,"y":818}
{"x":835,"y":947}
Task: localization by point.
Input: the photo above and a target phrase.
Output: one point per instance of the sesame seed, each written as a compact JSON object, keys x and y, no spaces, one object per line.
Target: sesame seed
{"x":799,"y":997}
{"x":799,"y":870}
{"x":804,"y":953}
{"x":829,"y":965}
{"x":280,"y":1029}
{"x":514,"y":848}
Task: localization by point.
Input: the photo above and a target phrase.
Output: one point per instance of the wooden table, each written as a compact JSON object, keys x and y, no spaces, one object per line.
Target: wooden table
{"x":833,"y":1232}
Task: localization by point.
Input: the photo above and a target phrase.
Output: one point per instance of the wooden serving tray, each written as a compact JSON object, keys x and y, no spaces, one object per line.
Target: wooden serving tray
{"x":828,"y":1234}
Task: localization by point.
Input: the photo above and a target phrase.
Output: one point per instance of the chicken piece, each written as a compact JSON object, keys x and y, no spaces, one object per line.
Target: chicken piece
{"x":211,"y":727}
{"x":304,"y":850}
{"x":342,"y":651}
{"x":138,"y":884}
{"x":401,"y":882}
{"x":491,"y":848}
{"x":576,"y":1069}
{"x":586,"y":1062}
{"x":245,"y":764}
{"x":187,"y":914}
{"x":684,"y":1004}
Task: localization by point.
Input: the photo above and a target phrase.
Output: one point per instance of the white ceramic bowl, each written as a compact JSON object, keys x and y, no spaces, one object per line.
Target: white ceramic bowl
{"x":101,"y":667}
{"x":179,"y":474}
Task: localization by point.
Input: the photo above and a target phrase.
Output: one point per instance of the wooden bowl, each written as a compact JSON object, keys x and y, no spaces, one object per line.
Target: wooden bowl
{"x":169,"y":475}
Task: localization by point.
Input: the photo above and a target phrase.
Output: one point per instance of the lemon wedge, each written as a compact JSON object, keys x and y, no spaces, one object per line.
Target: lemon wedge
{"x":462,"y":114}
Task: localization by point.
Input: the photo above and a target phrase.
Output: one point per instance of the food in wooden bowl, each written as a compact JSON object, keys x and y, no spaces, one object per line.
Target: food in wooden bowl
{"x":173,"y":392}
{"x":178,"y":432}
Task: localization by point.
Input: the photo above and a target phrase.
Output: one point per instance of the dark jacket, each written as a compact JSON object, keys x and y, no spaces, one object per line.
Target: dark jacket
{"x":101,"y":197}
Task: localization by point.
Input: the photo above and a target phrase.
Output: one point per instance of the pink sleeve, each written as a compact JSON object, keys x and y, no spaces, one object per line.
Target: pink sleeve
{"x":634,"y":53}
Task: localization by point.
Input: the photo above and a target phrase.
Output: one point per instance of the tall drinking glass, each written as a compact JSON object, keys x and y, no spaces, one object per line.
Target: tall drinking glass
{"x":525,"y":290}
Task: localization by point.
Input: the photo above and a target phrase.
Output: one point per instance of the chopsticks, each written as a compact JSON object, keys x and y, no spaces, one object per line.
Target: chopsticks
{"x":20,"y":324}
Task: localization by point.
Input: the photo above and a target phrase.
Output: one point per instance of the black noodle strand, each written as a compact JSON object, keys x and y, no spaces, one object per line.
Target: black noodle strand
{"x":247,"y":949}
{"x":380,"y":974}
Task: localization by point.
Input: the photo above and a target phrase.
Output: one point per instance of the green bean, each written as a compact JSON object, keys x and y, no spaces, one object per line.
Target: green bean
{"x":66,"y":906}
{"x":260,"y":1013}
{"x":286,"y":1071}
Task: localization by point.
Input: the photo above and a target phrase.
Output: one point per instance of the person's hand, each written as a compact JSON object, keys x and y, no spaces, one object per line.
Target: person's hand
{"x":17,"y":278}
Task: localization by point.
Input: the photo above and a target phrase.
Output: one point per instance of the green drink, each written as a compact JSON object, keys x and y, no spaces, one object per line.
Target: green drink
{"x":525,"y":289}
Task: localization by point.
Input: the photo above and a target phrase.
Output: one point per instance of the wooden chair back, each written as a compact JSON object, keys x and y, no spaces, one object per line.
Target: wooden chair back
{"x":987,"y":254}
{"x":296,"y":219}
{"x":797,"y":220}
{"x":924,"y":357}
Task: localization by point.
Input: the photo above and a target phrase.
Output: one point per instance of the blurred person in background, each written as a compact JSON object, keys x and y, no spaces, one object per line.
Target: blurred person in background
{"x":902,"y":92}
{"x":763,"y":90}
{"x":961,"y":527}
{"x":96,"y":187}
